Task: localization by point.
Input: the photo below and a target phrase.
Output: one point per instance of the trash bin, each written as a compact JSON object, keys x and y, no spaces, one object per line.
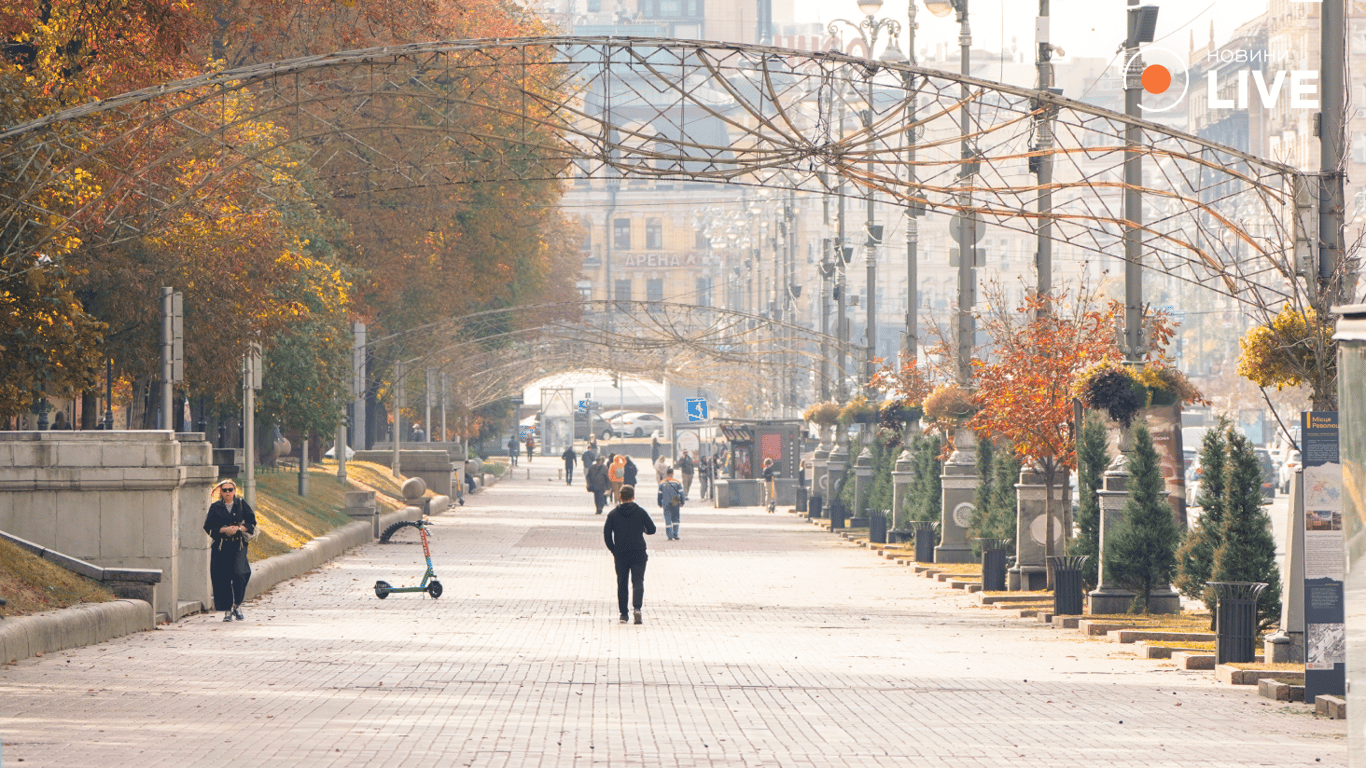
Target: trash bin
{"x":813,"y":506}
{"x":802,"y":499}
{"x":994,"y":552}
{"x":1235,"y":620}
{"x":836,"y":514}
{"x":924,"y":541}
{"x":877,"y":526}
{"x":1067,"y":594}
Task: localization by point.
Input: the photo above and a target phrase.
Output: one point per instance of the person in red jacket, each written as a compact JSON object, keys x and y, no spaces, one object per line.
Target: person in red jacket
{"x":624,"y":532}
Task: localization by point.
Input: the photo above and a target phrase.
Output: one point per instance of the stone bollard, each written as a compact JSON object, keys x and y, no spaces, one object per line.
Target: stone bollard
{"x":361,"y":506}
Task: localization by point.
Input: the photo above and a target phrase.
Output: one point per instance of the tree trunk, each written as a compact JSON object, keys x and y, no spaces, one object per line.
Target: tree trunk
{"x":1047,"y":527}
{"x":90,"y":410}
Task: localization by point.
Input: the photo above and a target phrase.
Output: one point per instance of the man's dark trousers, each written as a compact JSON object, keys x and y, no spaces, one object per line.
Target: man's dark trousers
{"x":631,"y":564}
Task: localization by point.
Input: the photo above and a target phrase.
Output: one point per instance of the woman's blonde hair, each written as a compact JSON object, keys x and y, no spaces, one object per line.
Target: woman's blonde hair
{"x":217,"y":492}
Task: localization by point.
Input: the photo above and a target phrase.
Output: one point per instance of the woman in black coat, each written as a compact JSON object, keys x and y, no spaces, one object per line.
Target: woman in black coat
{"x":231,"y":523}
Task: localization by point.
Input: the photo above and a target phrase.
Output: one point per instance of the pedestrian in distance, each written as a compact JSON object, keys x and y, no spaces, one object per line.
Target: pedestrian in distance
{"x":630,"y":472}
{"x":418,"y":435}
{"x":231,"y":523}
{"x":654,"y":447}
{"x":624,"y":533}
{"x":530,"y":446}
{"x":770,"y":471}
{"x":704,"y":468}
{"x":598,"y":485}
{"x":469,"y":475}
{"x":590,"y":456}
{"x":513,"y":450}
{"x":687,"y":465}
{"x":671,"y":499}
{"x":661,"y":465}
{"x":570,"y":459}
{"x":616,"y":474}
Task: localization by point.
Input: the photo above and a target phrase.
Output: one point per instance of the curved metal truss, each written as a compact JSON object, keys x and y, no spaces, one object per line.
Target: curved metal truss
{"x":656,"y":109}
{"x":489,"y":354}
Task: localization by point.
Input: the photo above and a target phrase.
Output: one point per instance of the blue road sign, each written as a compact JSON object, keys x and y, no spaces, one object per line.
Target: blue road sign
{"x":697,"y":409}
{"x":583,"y":406}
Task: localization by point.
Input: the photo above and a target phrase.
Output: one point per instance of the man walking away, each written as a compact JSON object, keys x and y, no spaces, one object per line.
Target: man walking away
{"x":624,"y":533}
{"x":570,"y":458}
{"x":704,"y":476}
{"x":513,"y":450}
{"x":686,"y":464}
{"x":598,"y":484}
{"x":671,"y":499}
{"x":630,"y":472}
{"x":530,"y":446}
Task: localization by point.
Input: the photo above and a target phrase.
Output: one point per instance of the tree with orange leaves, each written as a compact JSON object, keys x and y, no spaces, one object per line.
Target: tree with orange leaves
{"x":1025,"y":390}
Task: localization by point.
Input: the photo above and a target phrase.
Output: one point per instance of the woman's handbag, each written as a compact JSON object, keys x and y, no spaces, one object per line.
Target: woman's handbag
{"x":241,"y":566}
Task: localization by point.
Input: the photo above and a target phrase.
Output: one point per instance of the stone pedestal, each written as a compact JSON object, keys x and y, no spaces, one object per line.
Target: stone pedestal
{"x":817,"y":499}
{"x":1286,"y":646}
{"x":959,"y":489}
{"x":902,"y":475}
{"x":834,"y":474}
{"x":116,"y":499}
{"x":1031,"y":569}
{"x":433,"y":466}
{"x":863,"y":483}
{"x":360,"y":505}
{"x":1108,"y":597}
{"x":191,"y":581}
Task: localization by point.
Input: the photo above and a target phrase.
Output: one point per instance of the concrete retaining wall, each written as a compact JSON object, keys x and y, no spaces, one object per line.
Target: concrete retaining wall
{"x":24,"y":636}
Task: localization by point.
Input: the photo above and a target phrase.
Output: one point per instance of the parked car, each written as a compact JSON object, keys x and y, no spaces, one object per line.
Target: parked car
{"x":1288,"y":469}
{"x":637,"y":424}
{"x":1268,"y":473}
{"x":601,"y":427}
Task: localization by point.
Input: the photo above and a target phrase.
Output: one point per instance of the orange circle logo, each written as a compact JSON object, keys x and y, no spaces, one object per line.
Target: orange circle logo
{"x":1156,"y":79}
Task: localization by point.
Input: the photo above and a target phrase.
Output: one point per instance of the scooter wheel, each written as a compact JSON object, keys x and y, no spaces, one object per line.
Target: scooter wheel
{"x":382,"y":589}
{"x":434,"y":589}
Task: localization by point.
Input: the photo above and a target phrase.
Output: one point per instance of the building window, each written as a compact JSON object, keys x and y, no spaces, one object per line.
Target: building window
{"x":621,"y":233}
{"x":587,"y":244}
{"x":700,"y":241}
{"x":654,"y":234}
{"x":654,"y":289}
{"x":703,"y":298}
{"x":621,"y":290}
{"x":585,"y":289}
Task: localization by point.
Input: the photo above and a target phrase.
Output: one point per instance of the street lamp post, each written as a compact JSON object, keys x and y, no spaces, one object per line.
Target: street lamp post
{"x":869,"y":29}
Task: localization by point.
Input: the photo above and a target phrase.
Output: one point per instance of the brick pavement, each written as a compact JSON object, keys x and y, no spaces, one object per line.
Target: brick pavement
{"x":766,"y":642}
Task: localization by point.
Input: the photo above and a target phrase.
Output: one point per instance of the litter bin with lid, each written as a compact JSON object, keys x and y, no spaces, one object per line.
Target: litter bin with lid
{"x":924,"y":541}
{"x":994,"y":553}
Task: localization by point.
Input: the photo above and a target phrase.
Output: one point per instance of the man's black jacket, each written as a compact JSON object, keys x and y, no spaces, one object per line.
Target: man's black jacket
{"x":625,"y":528}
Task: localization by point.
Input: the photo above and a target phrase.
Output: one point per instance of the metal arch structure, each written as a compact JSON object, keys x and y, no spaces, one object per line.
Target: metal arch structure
{"x":656,"y":109}
{"x":489,"y":354}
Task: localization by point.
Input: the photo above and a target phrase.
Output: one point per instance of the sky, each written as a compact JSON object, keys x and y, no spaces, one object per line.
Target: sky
{"x":1092,"y":28}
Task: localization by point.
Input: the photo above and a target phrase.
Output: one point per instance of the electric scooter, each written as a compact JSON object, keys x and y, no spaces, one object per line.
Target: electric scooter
{"x":429,"y":583}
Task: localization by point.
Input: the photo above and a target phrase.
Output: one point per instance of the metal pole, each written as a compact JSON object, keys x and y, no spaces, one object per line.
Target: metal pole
{"x":358,"y":386}
{"x":870,"y":244}
{"x":967,"y":246}
{"x":167,"y":341}
{"x":445,"y":403}
{"x":1133,"y":204}
{"x":912,"y":231}
{"x":108,"y":393}
{"x":427,"y":404}
{"x":249,"y":364}
{"x":1043,"y":260}
{"x":399,"y":386}
{"x":1332,"y":163}
{"x":340,"y":448}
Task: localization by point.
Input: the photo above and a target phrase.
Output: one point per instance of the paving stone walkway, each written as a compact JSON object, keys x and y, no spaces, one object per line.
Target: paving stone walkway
{"x":766,"y":643}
